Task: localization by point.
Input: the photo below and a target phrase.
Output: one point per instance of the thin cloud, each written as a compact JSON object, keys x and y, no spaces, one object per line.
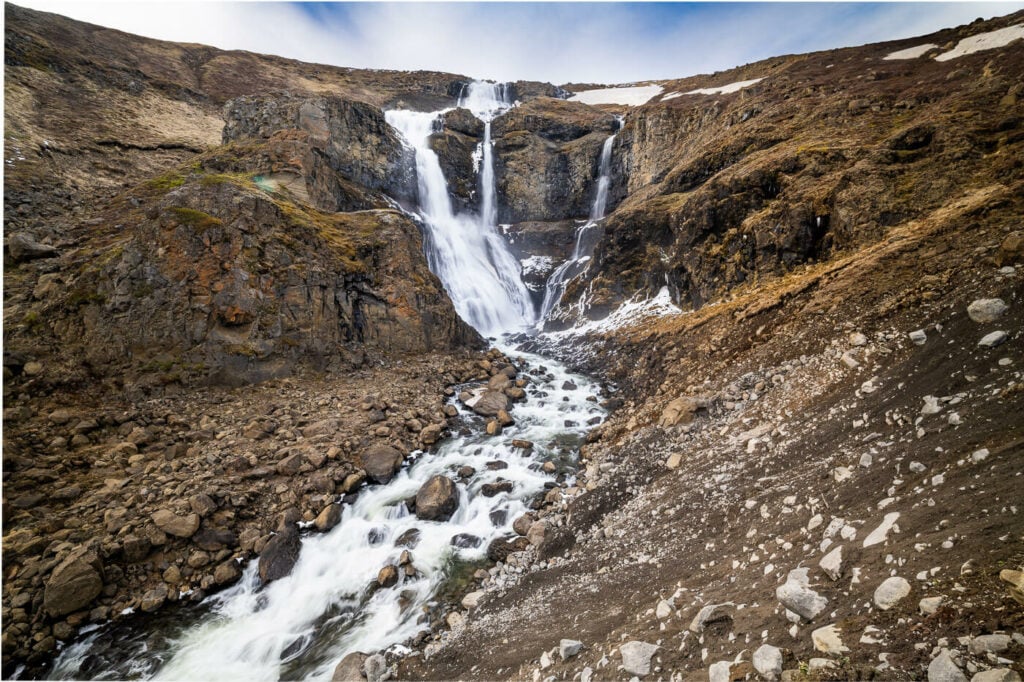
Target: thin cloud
{"x":569,"y":42}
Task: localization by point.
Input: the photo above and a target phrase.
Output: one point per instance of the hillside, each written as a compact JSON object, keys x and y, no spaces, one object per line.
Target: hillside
{"x":802,"y":298}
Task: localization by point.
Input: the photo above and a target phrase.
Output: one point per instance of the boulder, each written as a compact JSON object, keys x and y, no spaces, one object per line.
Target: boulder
{"x":985,"y":310}
{"x":798,"y":597}
{"x":636,"y":657}
{"x":681,"y":411}
{"x":710,"y":614}
{"x":381,"y":462}
{"x":943,"y":669}
{"x":431,"y":434}
{"x":388,"y":576}
{"x":178,"y":526}
{"x":350,"y":668}
{"x":488,"y":403}
{"x":74,"y":583}
{"x":24,"y":248}
{"x":280,"y":554}
{"x":768,"y":662}
{"x":328,"y":518}
{"x":500,"y":548}
{"x":567,"y":648}
{"x":437,"y":499}
{"x":154,"y":598}
{"x":890,"y":592}
{"x":1011,"y":250}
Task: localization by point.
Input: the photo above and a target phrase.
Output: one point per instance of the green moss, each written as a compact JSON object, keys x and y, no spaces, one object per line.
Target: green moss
{"x":242,"y":180}
{"x":166,"y":182}
{"x":195,"y":219}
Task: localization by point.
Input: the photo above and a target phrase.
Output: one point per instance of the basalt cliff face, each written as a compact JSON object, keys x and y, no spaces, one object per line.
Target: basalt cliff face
{"x":218,"y":318}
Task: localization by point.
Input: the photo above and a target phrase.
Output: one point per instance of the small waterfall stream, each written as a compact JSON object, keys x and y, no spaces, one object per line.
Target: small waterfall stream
{"x":300,"y":626}
{"x":587,"y":236}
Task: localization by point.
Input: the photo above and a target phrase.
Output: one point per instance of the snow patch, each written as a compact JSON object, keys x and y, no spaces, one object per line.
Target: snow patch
{"x":537,"y":265}
{"x":724,"y":89}
{"x":629,"y":313}
{"x":983,"y":41}
{"x":633,"y":97}
{"x":671,"y":95}
{"x":910,"y":52}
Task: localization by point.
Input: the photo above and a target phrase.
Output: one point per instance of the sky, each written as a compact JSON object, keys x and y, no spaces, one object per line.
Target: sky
{"x":555,"y":42}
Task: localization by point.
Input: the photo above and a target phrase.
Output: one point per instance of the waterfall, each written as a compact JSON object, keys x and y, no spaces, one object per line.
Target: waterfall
{"x":466,"y":251}
{"x":586,"y":238}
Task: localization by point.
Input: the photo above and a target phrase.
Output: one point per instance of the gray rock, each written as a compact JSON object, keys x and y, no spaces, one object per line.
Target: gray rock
{"x":992,"y":340}
{"x":995,"y":644}
{"x":280,"y":554}
{"x":154,"y":598}
{"x":997,"y":675}
{"x":23,"y":248}
{"x":890,"y":592}
{"x":712,"y":613}
{"x":832,"y":563}
{"x":489,"y":403}
{"x":74,"y":583}
{"x":768,"y":661}
{"x":929,"y":605}
{"x":985,"y":310}
{"x":943,"y":669}
{"x":798,"y":597}
{"x":376,"y":668}
{"x":918,"y":337}
{"x":636,"y":657}
{"x":437,"y":499}
{"x":567,"y":648}
{"x":350,"y":668}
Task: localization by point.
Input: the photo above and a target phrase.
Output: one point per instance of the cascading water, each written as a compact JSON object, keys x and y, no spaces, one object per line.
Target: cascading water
{"x":300,"y":626}
{"x":466,"y":252}
{"x":587,"y":235}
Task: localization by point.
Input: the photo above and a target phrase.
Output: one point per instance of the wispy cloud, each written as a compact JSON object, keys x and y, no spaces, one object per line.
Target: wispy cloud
{"x":580,"y":42}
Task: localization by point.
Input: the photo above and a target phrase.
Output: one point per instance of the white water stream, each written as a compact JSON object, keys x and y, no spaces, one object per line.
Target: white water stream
{"x":300,"y":626}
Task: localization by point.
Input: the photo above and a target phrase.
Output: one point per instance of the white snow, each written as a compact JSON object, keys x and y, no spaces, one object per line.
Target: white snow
{"x":724,"y":89}
{"x":536,"y":264}
{"x":910,"y":52}
{"x":671,"y":95}
{"x":629,"y":313}
{"x":633,"y":96}
{"x":983,"y":41}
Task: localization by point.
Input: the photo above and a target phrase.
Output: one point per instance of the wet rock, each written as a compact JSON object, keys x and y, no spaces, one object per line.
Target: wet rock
{"x":492,"y":489}
{"x":465,"y":541}
{"x":489,"y":403}
{"x":280,"y":554}
{"x":636,"y":657}
{"x":500,"y":548}
{"x":178,"y":526}
{"x":431,"y":434}
{"x":985,"y":310}
{"x":437,"y":499}
{"x":381,"y":462}
{"x":388,"y":576}
{"x":74,"y":583}
{"x":890,"y":592}
{"x":350,"y":668}
{"x":409,"y":538}
{"x":522,"y":444}
{"x":796,"y":595}
{"x":328,"y":518}
{"x":226,"y":573}
{"x":493,"y":428}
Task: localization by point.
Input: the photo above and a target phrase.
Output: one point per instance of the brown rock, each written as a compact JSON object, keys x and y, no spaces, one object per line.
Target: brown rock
{"x":388,"y":576}
{"x":280,"y":554}
{"x":74,"y":583}
{"x":350,"y":669}
{"x":489,"y":403}
{"x":172,"y":524}
{"x":328,"y":518}
{"x":523,"y":523}
{"x":381,"y":462}
{"x":681,"y":411}
{"x":437,"y":499}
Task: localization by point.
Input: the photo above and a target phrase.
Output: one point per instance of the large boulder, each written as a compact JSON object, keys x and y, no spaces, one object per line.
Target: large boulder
{"x":74,"y":583}
{"x":381,"y":462}
{"x":437,"y":499}
{"x":350,"y":669}
{"x":23,"y":248}
{"x":489,"y":402}
{"x":279,"y":556}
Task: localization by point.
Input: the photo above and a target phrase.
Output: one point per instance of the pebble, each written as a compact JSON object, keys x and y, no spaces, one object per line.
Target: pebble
{"x":992,"y":340}
{"x":832,"y":563}
{"x":979,"y":455}
{"x":796,"y":595}
{"x":879,"y":535}
{"x":930,"y":605}
{"x":918,"y":337}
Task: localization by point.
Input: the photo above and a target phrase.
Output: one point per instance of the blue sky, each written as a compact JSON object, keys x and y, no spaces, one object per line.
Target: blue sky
{"x":556,"y":42}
